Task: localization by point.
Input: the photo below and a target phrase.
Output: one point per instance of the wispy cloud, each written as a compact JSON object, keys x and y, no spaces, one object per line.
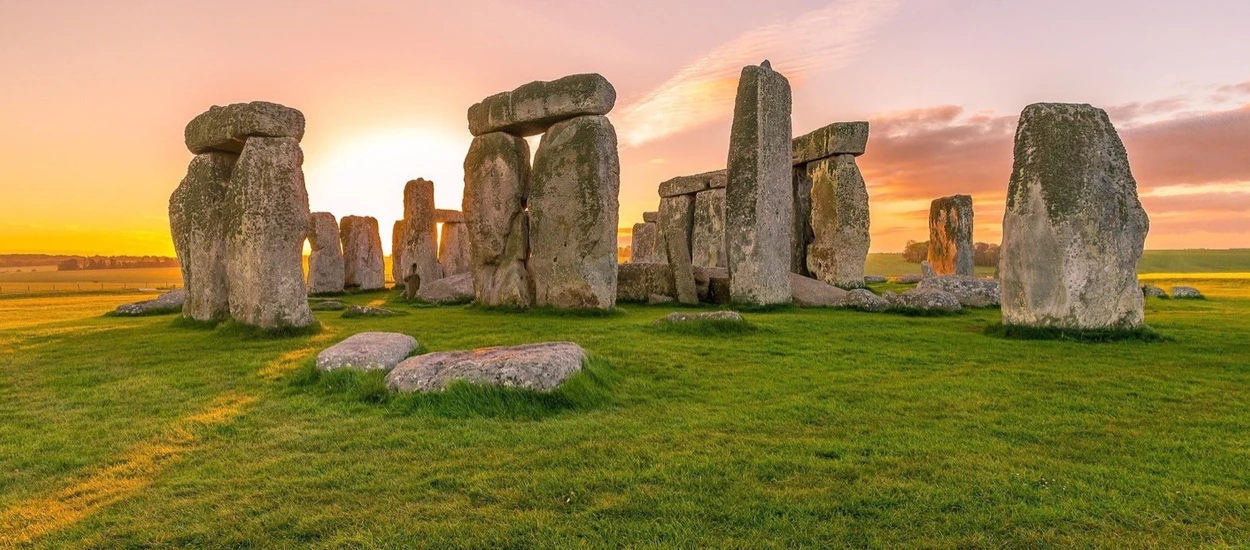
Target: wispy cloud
{"x":703,"y":91}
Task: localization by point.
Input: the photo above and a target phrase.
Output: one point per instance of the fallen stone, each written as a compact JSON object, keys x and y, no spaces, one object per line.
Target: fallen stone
{"x":369,"y":311}
{"x":420,"y":232}
{"x":925,"y":299}
{"x":689,"y":185}
{"x":1186,"y":293}
{"x":453,"y":249}
{"x":874,"y":279}
{"x":198,"y":223}
{"x":839,"y":222}
{"x":169,"y":302}
{"x":759,"y":191}
{"x":707,"y":248}
{"x":951,"y":251}
{"x":364,"y":267}
{"x":496,"y":183}
{"x":325,"y":263}
{"x":971,"y":291}
{"x":535,"y":107}
{"x":910,"y":278}
{"x":721,"y":316}
{"x":367,"y":351}
{"x":457,"y":289}
{"x":442,"y":215}
{"x":573,"y":207}
{"x":1153,"y":291}
{"x":328,"y":305}
{"x":637,"y":282}
{"x":227,"y":128}
{"x":677,"y":227}
{"x":1074,"y":228}
{"x":539,"y":367}
{"x":839,"y":138}
{"x":863,"y":299}
{"x":812,"y":293}
{"x":268,"y":221}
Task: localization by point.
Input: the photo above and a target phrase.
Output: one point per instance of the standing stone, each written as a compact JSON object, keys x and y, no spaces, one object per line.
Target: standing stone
{"x":227,"y":128}
{"x":573,"y":215}
{"x":267,"y":213}
{"x":650,"y":217}
{"x":839,"y":222}
{"x":708,"y":246}
{"x":420,"y":232}
{"x":1074,"y":228}
{"x":364,"y":266}
{"x":951,"y":251}
{"x":198,"y":226}
{"x":535,"y":107}
{"x":397,"y":251}
{"x":839,"y":138}
{"x":453,"y":249}
{"x":496,"y":184}
{"x":759,"y":191}
{"x":325,"y":263}
{"x":677,"y":225}
{"x":648,"y":245}
{"x":801,"y":231}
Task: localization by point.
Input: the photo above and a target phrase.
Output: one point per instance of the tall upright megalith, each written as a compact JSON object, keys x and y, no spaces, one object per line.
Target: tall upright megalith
{"x":453,"y":247}
{"x":325,"y":262}
{"x":574,"y":208}
{"x":759,"y":192}
{"x":268,"y":217}
{"x":496,"y":187}
{"x":1074,"y":228}
{"x":398,"y":232}
{"x":677,"y":226}
{"x":198,"y":226}
{"x":364,"y":265}
{"x":951,"y":251}
{"x":707,"y":246}
{"x":839,"y":221}
{"x":420,"y":232}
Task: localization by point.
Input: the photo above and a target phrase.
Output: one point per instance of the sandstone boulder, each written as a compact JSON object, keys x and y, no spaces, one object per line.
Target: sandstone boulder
{"x":874,"y":279}
{"x":420,"y":232}
{"x":367,"y":351}
{"x":650,"y":217}
{"x":950,"y":236}
{"x":325,"y":262}
{"x":637,"y":282}
{"x":926,"y":300}
{"x":677,"y":228}
{"x":1074,"y":228}
{"x":539,"y":367}
{"x":169,"y":302}
{"x":442,"y":215}
{"x":364,"y":267}
{"x":707,"y":248}
{"x":227,"y":128}
{"x":839,"y":138}
{"x":689,"y":185}
{"x":573,"y":208}
{"x":971,"y":291}
{"x":453,"y":249}
{"x":1186,"y":293}
{"x":759,"y":189}
{"x":327,"y":305}
{"x":535,"y":107}
{"x":198,"y":223}
{"x":839,"y":221}
{"x":398,"y":232}
{"x":863,"y":299}
{"x":370,"y":311}
{"x":645,"y":247}
{"x":719,"y":316}
{"x":926,"y":270}
{"x":812,"y":293}
{"x":1153,"y":291}
{"x":456,"y":289}
{"x":705,"y":284}
{"x":910,"y":278}
{"x":496,"y":187}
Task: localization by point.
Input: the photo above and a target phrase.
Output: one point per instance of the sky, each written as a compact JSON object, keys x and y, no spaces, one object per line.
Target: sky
{"x":94,"y":97}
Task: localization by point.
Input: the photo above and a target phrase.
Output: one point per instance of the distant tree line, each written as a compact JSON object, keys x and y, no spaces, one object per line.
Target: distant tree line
{"x":985,"y":254}
{"x":114,"y":262}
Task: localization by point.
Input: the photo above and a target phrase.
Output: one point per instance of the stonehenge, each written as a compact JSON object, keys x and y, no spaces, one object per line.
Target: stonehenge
{"x":1074,"y":227}
{"x":420,"y":243}
{"x":951,"y":249}
{"x":364,"y":266}
{"x":453,"y":248}
{"x":398,"y":229}
{"x":832,"y":219}
{"x":759,"y":209}
{"x":544,"y":235}
{"x":198,"y":225}
{"x":325,"y":264}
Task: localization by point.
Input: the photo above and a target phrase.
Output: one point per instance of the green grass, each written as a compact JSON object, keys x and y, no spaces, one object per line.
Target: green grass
{"x":1143,"y":334}
{"x":822,"y":428}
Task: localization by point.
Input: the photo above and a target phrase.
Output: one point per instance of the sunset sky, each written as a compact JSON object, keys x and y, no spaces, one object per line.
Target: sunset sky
{"x":95,"y":96}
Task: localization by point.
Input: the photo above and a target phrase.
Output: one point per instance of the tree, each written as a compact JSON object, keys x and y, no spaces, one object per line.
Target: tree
{"x":916,"y":252}
{"x":985,"y":255}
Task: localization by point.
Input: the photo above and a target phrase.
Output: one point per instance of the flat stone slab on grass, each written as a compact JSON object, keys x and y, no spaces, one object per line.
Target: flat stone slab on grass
{"x":367,"y":351}
{"x":169,"y":302}
{"x":1186,"y":293}
{"x":540,"y":367}
{"x":808,"y":292}
{"x":971,"y":291}
{"x":874,"y":279}
{"x":679,"y":317}
{"x":1153,"y":291}
{"x":864,"y":300}
{"x":925,"y":299}
{"x":457,"y":289}
{"x":368,"y":311}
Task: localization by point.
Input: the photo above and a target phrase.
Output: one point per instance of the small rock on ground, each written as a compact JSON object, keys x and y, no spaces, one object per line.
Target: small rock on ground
{"x":367,"y":311}
{"x":864,"y":300}
{"x":1153,"y":291}
{"x":367,"y":351}
{"x":679,"y":317}
{"x":169,"y":302}
{"x":926,"y":299}
{"x":541,"y":367}
{"x":1186,"y":293}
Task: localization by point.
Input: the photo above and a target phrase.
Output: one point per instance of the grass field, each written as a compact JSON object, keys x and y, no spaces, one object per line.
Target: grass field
{"x":818,"y":429}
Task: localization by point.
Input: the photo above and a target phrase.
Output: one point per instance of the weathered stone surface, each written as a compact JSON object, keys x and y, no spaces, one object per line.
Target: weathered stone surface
{"x":496,"y":187}
{"x":708,"y":246}
{"x":910,"y":278}
{"x":198,"y":224}
{"x":541,"y":367}
{"x":925,"y":299}
{"x":267,"y":207}
{"x":688,"y":185}
{"x":863,"y":299}
{"x":325,"y":263}
{"x":398,"y":232}
{"x":535,"y":107}
{"x":801,"y":230}
{"x":718,"y":290}
{"x":679,"y":317}
{"x":367,"y":351}
{"x":645,"y":247}
{"x":971,"y":291}
{"x":1074,"y":228}
{"x":926,"y":270}
{"x":656,"y":299}
{"x":759,"y":190}
{"x":573,"y":215}
{"x":453,"y":249}
{"x":456,"y":289}
{"x":637,"y":282}
{"x":813,"y":293}
{"x":874,"y":279}
{"x":227,"y":128}
{"x":442,"y":215}
{"x":951,"y":251}
{"x":839,"y":138}
{"x":420,"y":232}
{"x":327,"y":305}
{"x":839,"y":221}
{"x":703,"y":284}
{"x":1186,"y":293}
{"x":369,"y":311}
{"x":364,"y":267}
{"x":1153,"y":291}
{"x":169,"y":302}
{"x":650,"y":217}
{"x":677,"y":228}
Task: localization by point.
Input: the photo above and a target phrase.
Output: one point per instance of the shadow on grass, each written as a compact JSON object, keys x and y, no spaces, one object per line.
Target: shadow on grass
{"x":192,"y":324}
{"x":1093,"y":336}
{"x":591,"y":388}
{"x":236,"y":329}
